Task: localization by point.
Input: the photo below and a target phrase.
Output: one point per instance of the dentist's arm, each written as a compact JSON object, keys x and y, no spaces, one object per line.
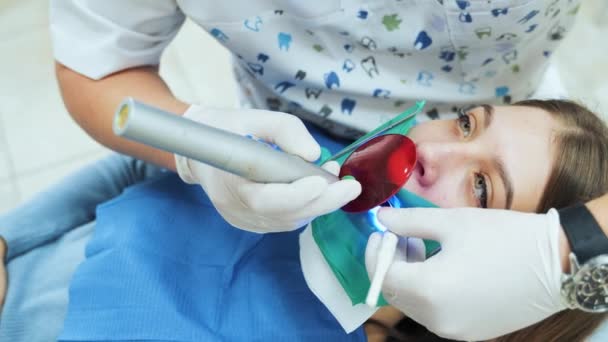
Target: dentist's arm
{"x":92,"y":103}
{"x":107,"y":50}
{"x":493,"y":263}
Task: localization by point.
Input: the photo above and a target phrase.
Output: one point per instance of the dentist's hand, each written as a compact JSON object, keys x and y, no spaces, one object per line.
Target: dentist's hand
{"x":266,"y":207}
{"x":498,"y":271}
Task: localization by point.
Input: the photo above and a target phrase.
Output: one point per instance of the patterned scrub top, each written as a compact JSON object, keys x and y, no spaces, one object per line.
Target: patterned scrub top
{"x":346,"y":65}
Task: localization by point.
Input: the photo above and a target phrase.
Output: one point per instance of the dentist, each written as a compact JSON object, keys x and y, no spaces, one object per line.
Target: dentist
{"x":345,"y":66}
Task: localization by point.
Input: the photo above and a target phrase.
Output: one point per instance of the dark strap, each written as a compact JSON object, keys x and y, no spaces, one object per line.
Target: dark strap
{"x":587,"y":240}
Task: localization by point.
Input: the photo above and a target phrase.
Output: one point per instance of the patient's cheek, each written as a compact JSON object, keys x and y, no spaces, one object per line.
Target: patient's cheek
{"x":441,"y":199}
{"x":446,"y":200}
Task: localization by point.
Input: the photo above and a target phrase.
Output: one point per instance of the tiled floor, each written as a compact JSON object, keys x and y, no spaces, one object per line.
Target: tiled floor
{"x":39,"y":142}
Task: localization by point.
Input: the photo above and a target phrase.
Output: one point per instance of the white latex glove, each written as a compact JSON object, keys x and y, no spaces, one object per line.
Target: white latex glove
{"x":498,"y":271}
{"x":260,"y":207}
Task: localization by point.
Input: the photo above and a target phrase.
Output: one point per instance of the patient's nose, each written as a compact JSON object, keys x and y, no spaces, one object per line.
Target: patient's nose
{"x":437,"y":158}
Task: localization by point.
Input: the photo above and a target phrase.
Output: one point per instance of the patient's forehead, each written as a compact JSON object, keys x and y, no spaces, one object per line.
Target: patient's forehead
{"x":524,"y":138}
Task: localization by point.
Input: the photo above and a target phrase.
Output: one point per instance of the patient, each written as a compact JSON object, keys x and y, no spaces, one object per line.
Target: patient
{"x":163,"y":265}
{"x":537,"y":155}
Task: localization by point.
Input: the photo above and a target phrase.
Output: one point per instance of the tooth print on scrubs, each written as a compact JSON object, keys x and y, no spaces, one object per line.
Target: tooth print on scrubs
{"x":449,"y":52}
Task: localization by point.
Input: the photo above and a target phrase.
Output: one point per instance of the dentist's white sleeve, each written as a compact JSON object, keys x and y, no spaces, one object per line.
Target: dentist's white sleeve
{"x":99,"y":37}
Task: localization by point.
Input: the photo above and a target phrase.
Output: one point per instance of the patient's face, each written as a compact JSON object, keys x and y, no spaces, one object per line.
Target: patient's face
{"x":494,"y":156}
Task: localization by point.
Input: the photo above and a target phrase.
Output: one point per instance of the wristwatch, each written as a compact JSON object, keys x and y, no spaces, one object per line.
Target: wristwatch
{"x":586,"y":287}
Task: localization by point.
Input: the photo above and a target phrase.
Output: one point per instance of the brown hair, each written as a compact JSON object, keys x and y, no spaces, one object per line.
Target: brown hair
{"x":580,"y":173}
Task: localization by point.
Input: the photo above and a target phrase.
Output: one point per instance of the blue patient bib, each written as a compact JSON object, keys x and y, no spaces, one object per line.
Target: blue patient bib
{"x":164,"y":265}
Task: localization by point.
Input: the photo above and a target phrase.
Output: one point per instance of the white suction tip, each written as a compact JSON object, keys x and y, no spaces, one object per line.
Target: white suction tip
{"x":385,"y":257}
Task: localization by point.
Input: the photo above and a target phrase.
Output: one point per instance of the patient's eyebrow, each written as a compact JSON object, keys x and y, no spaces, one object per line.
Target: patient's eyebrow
{"x":488,"y":114}
{"x":506,"y":180}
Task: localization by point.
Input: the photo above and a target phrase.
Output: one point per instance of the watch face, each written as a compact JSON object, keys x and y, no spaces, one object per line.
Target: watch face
{"x":591,"y":286}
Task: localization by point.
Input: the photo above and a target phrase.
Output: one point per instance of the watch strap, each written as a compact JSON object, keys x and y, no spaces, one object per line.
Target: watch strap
{"x":586,"y":237}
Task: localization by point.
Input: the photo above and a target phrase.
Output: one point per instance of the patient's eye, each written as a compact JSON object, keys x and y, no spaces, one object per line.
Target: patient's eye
{"x":480,"y":189}
{"x":464,"y":122}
